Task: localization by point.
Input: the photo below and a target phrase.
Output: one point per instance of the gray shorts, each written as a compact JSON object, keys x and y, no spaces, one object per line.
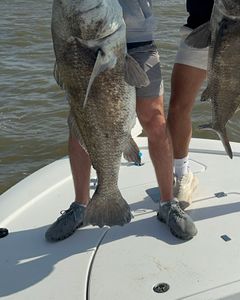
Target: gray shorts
{"x":189,"y":56}
{"x":148,"y":58}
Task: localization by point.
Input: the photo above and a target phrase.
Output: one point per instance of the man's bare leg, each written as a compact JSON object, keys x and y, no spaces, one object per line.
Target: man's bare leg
{"x":80,"y":166}
{"x":73,"y":217}
{"x":185,"y":85}
{"x":151,"y":116}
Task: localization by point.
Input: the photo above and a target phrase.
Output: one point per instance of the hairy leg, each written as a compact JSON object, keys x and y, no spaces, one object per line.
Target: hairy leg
{"x":151,"y":116}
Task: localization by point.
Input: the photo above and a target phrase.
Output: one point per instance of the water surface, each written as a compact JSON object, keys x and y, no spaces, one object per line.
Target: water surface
{"x":33,"y":111}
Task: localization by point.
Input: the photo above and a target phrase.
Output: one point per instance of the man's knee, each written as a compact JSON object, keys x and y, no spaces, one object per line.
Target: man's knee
{"x":180,"y":106}
{"x":154,"y":127}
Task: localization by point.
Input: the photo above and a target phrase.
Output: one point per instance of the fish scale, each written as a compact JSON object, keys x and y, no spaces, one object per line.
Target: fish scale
{"x":222,"y":35}
{"x":90,"y":48}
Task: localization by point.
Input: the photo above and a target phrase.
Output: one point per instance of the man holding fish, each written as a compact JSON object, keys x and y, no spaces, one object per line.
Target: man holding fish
{"x":188,"y":74}
{"x":150,"y":111}
{"x":210,"y":41}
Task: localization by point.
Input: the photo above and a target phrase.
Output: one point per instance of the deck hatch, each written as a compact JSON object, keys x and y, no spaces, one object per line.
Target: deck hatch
{"x":226,"y":238}
{"x":220,"y":195}
{"x":161,"y":288}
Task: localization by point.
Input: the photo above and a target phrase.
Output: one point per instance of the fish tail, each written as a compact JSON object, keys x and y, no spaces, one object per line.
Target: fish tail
{"x":222,"y":133}
{"x":107,"y":210}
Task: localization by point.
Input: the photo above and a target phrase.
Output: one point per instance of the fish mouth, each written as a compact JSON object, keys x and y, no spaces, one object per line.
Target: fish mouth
{"x":230,"y":9}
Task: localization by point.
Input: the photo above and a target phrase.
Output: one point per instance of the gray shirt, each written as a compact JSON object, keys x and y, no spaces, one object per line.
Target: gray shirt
{"x":138,"y":17}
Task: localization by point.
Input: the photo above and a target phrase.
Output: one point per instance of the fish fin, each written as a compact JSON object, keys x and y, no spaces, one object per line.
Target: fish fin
{"x":132,"y":152}
{"x":98,"y":66}
{"x":206,"y":95}
{"x":222,"y":133}
{"x":102,"y":63}
{"x":134,"y":74}
{"x":108,"y":210}
{"x":74,"y":130}
{"x":57,"y":76}
{"x":199,"y":37}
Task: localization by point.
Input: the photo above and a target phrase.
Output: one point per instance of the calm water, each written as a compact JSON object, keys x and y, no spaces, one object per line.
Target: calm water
{"x":33,"y":129}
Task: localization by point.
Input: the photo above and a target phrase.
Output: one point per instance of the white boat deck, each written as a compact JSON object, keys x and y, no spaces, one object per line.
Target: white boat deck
{"x":125,"y":262}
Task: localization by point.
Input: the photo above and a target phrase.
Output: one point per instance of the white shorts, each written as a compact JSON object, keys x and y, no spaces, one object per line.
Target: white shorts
{"x":193,"y":57}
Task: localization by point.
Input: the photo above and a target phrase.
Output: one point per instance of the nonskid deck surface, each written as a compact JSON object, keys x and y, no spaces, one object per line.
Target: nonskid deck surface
{"x":125,"y":262}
